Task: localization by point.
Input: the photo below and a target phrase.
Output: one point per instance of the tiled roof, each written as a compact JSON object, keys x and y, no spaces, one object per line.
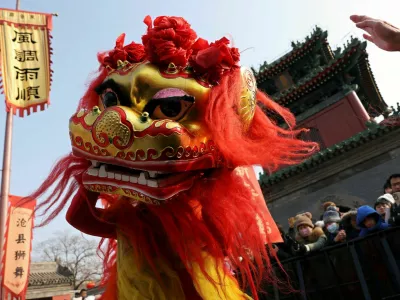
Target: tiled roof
{"x":373,"y":132}
{"x":375,"y":103}
{"x":299,"y":50}
{"x":354,"y":55}
{"x":48,"y":278}
{"x":48,"y":273}
{"x":342,"y":62}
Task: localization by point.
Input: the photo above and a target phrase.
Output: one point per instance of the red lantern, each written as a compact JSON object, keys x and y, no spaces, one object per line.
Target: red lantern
{"x":90,"y":285}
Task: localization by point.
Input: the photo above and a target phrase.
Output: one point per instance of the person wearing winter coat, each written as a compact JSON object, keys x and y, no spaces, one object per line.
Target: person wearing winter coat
{"x":394,"y":181}
{"x":384,"y":203}
{"x":332,"y":228}
{"x":369,"y":221}
{"x":309,"y":237}
{"x":349,"y":224}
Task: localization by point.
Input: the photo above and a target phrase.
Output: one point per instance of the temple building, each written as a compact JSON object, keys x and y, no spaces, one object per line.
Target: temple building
{"x":49,"y":281}
{"x":333,"y":93}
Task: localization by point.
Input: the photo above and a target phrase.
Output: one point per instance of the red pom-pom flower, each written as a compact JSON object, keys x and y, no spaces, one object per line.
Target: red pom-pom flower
{"x":212,"y":61}
{"x":133,"y":53}
{"x":169,"y":41}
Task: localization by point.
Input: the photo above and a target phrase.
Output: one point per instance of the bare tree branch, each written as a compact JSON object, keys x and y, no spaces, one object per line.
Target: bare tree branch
{"x":74,"y":252}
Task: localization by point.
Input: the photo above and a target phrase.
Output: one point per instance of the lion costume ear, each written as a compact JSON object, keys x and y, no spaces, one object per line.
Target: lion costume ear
{"x":247,"y":106}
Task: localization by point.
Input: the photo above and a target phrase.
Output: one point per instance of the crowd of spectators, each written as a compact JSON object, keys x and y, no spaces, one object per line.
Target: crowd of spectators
{"x":334,"y":227}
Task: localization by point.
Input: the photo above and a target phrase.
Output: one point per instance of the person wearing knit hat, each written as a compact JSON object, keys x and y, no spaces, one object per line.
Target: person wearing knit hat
{"x":387,"y":197}
{"x":325,"y":207}
{"x":331,"y":215}
{"x":328,"y":204}
{"x":383,"y":204}
{"x":309,"y":237}
{"x":332,"y":220}
{"x":303,"y":219}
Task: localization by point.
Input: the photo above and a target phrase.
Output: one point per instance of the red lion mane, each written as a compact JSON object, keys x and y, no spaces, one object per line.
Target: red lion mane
{"x":216,"y":212}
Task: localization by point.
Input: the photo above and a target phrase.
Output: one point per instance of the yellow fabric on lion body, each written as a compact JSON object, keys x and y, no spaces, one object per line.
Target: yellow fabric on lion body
{"x":225,"y":286}
{"x":141,"y":283}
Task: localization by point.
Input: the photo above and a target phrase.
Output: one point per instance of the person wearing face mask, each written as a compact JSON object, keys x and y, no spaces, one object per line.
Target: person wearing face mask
{"x":309,"y":237}
{"x":332,"y":220}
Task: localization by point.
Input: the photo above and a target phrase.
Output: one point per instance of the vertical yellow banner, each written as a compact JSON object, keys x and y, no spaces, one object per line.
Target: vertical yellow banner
{"x":25,"y":59}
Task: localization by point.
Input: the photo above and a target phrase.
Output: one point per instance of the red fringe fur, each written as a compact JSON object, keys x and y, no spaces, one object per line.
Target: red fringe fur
{"x":226,"y":227}
{"x":265,"y":143}
{"x":227,"y":224}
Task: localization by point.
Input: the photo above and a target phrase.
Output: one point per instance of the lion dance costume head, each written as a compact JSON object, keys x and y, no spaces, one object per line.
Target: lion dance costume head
{"x":162,"y":139}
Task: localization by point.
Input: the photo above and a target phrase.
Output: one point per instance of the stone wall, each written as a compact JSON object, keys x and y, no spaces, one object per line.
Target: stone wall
{"x":351,"y":179}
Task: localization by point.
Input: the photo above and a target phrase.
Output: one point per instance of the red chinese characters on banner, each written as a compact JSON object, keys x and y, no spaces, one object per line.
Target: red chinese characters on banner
{"x":18,"y":245}
{"x":271,"y":232}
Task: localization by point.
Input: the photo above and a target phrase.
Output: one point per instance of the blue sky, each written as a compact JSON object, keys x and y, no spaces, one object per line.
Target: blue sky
{"x":87,"y":26}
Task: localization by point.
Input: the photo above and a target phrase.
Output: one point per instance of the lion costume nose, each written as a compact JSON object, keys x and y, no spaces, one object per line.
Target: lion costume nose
{"x":113,"y":127}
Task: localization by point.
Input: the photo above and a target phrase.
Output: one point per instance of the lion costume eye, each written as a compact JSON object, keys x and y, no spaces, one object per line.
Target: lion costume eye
{"x":109,"y":98}
{"x":172,"y":108}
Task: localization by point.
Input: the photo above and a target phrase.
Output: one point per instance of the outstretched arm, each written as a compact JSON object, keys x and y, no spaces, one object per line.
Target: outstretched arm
{"x":81,"y":216}
{"x":381,"y":33}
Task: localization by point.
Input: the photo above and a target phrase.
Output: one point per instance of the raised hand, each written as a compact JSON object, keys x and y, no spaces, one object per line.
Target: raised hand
{"x":381,"y":33}
{"x":341,"y":236}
